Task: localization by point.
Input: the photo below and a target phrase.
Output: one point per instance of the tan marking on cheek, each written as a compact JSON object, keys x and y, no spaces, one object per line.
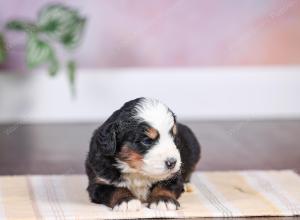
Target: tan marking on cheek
{"x":131,"y":157}
{"x":174,"y":130}
{"x":152,"y":133}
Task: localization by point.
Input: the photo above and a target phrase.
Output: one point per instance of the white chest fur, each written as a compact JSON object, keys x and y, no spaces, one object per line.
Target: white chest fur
{"x":138,"y":184}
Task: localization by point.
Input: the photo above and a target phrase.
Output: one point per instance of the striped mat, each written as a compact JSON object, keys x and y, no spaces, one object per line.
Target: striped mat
{"x":211,"y":194}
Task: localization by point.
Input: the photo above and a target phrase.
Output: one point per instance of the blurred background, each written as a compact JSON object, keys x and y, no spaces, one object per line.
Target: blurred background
{"x":230,"y":69}
{"x":175,"y":33}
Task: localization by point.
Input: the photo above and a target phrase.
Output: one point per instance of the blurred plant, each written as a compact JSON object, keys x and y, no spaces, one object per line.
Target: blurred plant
{"x":2,"y":48}
{"x":55,"y":25}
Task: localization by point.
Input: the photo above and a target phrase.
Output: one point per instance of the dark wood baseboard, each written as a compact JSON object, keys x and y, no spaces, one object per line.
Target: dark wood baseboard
{"x":226,"y":145}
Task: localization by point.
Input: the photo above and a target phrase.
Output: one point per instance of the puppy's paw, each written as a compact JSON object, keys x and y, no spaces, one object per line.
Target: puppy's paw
{"x":164,"y":203}
{"x":128,"y":205}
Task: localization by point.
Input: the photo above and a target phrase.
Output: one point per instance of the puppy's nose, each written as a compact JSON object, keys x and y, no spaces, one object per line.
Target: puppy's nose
{"x":170,"y":162}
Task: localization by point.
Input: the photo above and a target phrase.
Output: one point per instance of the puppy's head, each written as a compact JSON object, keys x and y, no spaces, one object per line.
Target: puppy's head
{"x":143,"y":139}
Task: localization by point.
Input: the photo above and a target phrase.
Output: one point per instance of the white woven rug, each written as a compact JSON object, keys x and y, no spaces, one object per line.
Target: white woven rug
{"x":214,"y":194}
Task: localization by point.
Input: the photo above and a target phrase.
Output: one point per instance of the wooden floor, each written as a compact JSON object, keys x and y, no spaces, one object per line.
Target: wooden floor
{"x":226,"y":145}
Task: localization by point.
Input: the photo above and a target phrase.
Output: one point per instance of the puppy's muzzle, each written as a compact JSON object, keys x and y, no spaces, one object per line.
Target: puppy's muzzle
{"x":170,"y":163}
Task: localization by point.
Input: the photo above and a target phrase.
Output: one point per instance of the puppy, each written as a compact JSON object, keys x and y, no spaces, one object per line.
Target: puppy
{"x":140,"y":155}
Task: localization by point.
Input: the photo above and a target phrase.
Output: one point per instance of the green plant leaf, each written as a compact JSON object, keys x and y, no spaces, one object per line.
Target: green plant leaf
{"x":53,"y":66}
{"x":18,"y":25}
{"x":38,"y":52}
{"x":3,"y":48}
{"x":55,"y":24}
{"x":71,"y":69}
{"x":71,"y":38}
{"x":62,"y":23}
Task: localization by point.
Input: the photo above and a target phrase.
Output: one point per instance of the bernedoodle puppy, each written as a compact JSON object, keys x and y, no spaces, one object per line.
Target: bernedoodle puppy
{"x":141,"y":154}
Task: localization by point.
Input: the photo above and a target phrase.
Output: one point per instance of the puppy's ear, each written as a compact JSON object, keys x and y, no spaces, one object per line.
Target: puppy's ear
{"x":104,"y":139}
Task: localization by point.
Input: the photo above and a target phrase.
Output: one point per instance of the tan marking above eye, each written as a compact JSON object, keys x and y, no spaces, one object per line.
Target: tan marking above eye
{"x":174,"y":129}
{"x":152,"y":133}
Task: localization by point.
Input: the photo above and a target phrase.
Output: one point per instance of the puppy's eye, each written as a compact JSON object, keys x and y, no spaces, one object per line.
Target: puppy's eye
{"x":147,"y":141}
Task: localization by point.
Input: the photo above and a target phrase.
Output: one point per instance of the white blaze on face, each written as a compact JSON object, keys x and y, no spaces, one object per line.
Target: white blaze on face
{"x":158,"y":116}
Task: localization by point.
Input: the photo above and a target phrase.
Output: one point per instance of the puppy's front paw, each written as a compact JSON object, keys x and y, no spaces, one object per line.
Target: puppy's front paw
{"x":128,"y":205}
{"x":164,"y":203}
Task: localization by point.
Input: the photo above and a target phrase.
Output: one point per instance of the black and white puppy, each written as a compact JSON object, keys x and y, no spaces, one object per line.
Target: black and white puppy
{"x":141,"y":154}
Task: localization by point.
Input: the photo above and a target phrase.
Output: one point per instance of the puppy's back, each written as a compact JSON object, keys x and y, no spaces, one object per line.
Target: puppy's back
{"x":190,"y":150}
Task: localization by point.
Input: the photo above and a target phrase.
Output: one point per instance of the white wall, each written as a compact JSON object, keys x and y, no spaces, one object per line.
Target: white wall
{"x":198,"y":93}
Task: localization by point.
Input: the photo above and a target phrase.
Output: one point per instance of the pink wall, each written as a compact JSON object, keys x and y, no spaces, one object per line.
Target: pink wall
{"x":176,"y":32}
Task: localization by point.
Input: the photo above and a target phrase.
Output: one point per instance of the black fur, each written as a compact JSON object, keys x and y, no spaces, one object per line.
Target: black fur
{"x":121,"y":128}
{"x":189,"y":148}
